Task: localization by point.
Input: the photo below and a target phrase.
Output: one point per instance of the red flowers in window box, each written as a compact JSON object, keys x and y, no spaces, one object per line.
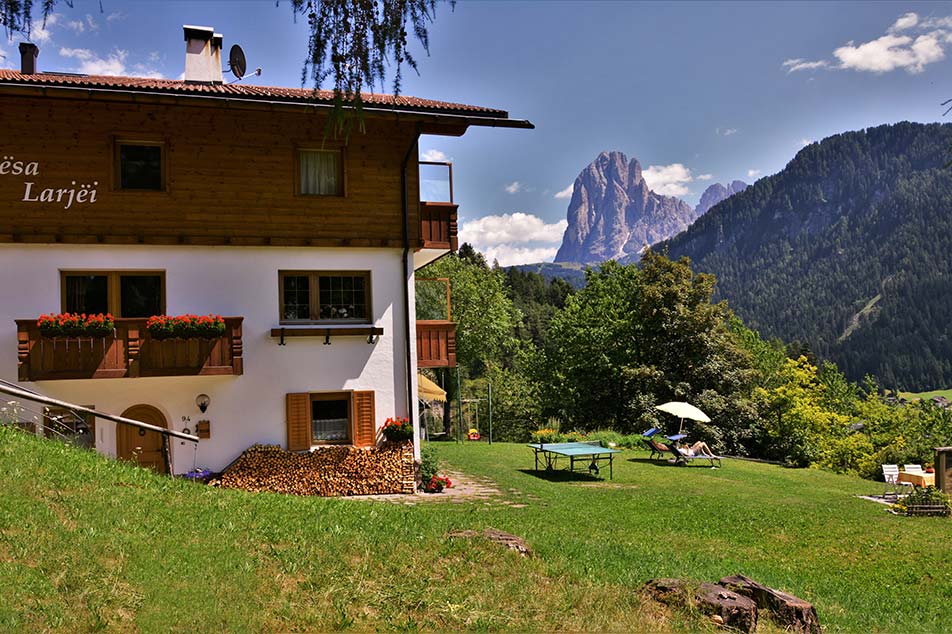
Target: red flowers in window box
{"x":437,"y":484}
{"x":398,"y":429}
{"x":186,"y":326}
{"x":76,"y":325}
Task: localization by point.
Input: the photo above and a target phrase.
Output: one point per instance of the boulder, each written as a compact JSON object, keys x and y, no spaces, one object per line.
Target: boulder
{"x":726,"y":607}
{"x":787,"y":610}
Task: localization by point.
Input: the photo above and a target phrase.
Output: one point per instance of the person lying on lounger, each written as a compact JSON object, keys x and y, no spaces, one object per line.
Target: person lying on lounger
{"x":698,"y":448}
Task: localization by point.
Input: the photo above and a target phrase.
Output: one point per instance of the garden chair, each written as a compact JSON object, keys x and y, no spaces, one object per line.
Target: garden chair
{"x":656,"y":448}
{"x":913,"y":468}
{"x":891,"y":477}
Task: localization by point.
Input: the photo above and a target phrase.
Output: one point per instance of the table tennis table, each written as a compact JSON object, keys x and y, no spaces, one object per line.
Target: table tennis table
{"x":584,"y":452}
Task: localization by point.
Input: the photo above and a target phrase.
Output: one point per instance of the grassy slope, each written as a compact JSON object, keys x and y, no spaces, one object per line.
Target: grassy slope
{"x":86,"y":543}
{"x":927,"y":395}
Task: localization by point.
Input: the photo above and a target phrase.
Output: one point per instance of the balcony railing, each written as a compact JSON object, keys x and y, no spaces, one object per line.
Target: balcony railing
{"x":436,"y":334}
{"x":436,"y":344}
{"x":437,"y":210}
{"x":129,"y":352}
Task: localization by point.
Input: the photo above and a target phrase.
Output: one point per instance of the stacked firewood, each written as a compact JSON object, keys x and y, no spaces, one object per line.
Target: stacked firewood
{"x":325,"y":471}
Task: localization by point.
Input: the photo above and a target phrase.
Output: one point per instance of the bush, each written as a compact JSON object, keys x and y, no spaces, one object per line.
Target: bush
{"x":631,"y":441}
{"x":607,"y":437}
{"x":546,"y":435}
{"x":429,"y":462}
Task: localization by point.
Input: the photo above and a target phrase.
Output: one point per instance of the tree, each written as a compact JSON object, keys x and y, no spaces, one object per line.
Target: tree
{"x":634,"y":338}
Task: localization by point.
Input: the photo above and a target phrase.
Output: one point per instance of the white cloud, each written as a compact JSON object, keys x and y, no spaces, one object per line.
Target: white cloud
{"x":115,"y":15}
{"x":726,"y":131}
{"x":434,"y":155}
{"x":797,"y":64}
{"x":753,"y":173}
{"x":90,"y":63}
{"x":518,"y":227}
{"x":514,"y":187}
{"x":910,"y":43}
{"x":705,"y":177}
{"x":76,"y":25}
{"x":91,"y":23}
{"x":41,"y":34}
{"x":508,"y":255}
{"x":805,"y":142}
{"x":890,"y":52}
{"x":565,"y":193}
{"x":668,"y":180}
{"x":516,"y":238}
{"x":904,"y":22}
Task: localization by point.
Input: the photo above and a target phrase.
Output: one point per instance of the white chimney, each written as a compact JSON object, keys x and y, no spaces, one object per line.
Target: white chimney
{"x":202,"y":55}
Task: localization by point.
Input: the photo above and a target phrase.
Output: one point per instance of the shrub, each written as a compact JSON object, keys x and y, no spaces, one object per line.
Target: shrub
{"x":546,"y":435}
{"x":631,"y":441}
{"x":607,"y":437}
{"x":76,"y":325}
{"x":429,"y":462}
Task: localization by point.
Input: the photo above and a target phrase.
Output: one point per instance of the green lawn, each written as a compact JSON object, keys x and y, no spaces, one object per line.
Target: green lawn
{"x":87,"y":543}
{"x":927,"y":395}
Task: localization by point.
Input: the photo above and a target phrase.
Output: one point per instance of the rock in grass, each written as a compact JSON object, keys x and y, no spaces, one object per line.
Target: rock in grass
{"x":512,"y":542}
{"x":731,"y":609}
{"x":789,"y":611}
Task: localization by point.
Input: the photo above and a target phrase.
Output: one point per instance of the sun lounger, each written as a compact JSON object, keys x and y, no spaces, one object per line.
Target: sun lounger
{"x":682,"y":460}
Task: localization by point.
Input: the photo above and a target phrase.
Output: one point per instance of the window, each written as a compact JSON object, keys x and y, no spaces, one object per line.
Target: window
{"x":124,"y":294}
{"x":330,"y":418}
{"x":321,"y":173}
{"x":139,"y":165}
{"x":331,"y":296}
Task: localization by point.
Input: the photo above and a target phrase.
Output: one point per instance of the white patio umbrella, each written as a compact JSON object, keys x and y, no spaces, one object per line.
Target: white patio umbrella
{"x":684,"y":410}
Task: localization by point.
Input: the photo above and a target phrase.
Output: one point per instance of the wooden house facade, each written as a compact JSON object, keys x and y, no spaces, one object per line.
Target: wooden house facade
{"x":145,"y":198}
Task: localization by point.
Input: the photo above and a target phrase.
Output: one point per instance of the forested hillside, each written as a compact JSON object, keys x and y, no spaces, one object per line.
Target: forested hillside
{"x":848,"y":250}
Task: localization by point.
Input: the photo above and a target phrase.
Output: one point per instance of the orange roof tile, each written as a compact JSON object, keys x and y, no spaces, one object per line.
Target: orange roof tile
{"x":242,"y":91}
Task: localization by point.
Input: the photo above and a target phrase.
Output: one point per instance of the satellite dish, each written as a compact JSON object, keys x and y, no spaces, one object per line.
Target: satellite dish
{"x":236,"y":61}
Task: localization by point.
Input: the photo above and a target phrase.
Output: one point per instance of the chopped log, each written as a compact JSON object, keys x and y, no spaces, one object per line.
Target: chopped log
{"x":726,"y":608}
{"x":325,"y":471}
{"x":787,"y":610}
{"x":512,"y":542}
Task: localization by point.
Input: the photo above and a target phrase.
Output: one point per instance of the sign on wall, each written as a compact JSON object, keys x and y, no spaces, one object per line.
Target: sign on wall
{"x":79,"y":194}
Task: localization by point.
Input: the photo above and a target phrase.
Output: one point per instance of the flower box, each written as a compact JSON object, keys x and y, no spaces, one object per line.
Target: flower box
{"x":163,"y":327}
{"x":75,"y":325}
{"x":398,"y":429}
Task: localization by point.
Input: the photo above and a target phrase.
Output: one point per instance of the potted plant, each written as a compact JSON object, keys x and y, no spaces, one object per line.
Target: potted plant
{"x":76,"y":325}
{"x":185,"y":326}
{"x":398,"y":429}
{"x":437,"y":483}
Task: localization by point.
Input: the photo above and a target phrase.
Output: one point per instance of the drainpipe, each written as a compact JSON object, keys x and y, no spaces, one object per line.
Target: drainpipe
{"x":411,"y":397}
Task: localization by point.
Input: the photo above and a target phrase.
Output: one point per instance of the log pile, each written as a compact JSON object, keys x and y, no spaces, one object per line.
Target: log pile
{"x":325,"y":471}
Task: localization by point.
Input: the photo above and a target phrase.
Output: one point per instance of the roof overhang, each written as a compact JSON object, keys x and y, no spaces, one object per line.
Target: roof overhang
{"x":434,"y":122}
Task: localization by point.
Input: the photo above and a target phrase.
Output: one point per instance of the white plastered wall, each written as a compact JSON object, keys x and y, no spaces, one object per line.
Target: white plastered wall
{"x":230,"y":281}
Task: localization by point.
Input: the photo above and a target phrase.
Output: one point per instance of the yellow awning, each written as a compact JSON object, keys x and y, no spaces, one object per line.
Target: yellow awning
{"x":428,"y":390}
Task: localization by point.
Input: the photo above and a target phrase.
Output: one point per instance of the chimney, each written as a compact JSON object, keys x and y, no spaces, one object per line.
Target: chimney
{"x":202,"y":55}
{"x":28,"y":54}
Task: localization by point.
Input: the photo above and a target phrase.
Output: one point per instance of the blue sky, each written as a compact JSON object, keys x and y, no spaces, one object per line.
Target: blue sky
{"x":704,"y":92}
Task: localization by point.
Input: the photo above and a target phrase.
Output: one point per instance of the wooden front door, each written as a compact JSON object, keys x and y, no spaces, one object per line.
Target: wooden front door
{"x":139,"y":445}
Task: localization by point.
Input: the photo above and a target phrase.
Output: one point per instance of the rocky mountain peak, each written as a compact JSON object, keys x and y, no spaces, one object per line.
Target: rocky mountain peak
{"x":614,"y":214}
{"x":716,"y":193}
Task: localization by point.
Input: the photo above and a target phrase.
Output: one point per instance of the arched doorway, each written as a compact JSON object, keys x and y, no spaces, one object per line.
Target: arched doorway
{"x":139,"y":445}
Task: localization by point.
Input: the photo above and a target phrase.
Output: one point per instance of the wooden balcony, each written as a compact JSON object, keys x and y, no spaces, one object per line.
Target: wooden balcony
{"x":129,"y":352}
{"x":436,"y":344}
{"x":438,"y":226}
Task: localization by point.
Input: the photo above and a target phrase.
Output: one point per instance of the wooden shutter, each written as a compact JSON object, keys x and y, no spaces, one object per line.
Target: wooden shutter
{"x":299,"y":421}
{"x":365,"y":419}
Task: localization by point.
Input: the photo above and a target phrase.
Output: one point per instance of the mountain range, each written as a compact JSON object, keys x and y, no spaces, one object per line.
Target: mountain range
{"x":614,"y":214}
{"x":848,"y":250}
